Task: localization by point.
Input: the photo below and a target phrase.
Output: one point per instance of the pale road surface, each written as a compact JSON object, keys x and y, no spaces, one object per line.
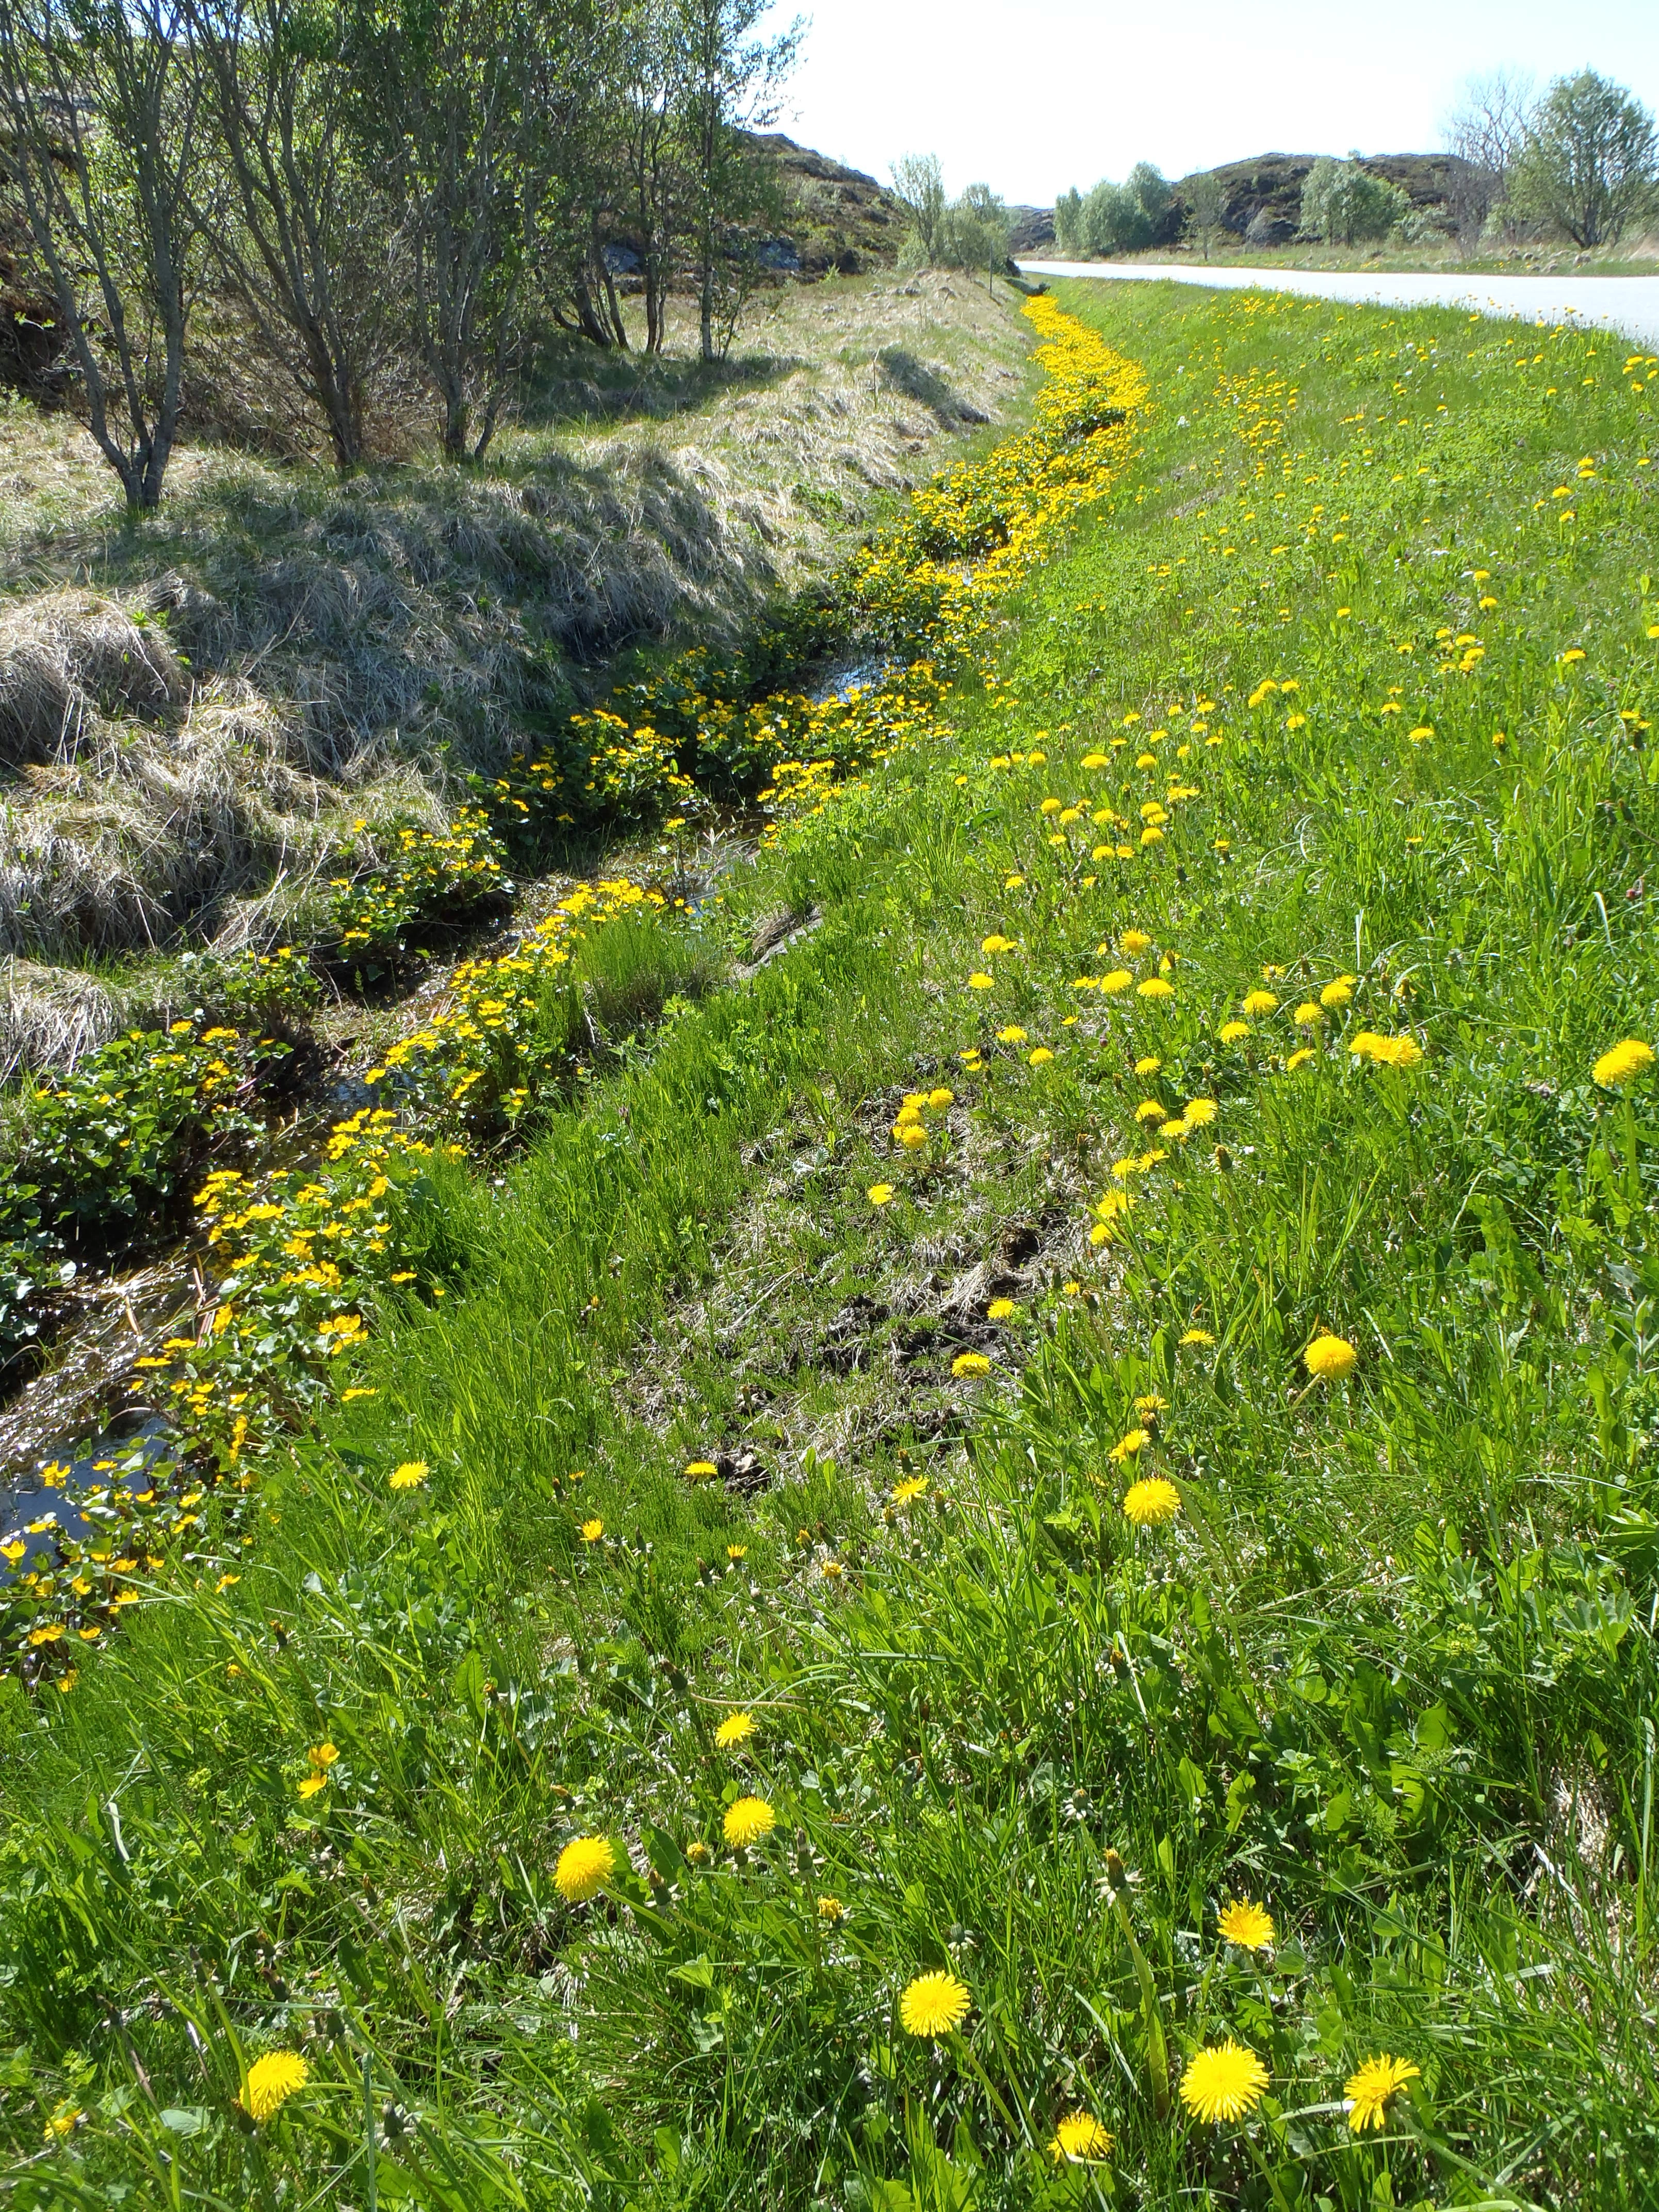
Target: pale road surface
{"x":1626,"y":304}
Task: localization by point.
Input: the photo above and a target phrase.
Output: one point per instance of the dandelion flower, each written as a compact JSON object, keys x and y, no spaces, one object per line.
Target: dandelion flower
{"x":1299,"y":1060}
{"x":1233,"y":1032}
{"x":933,"y":2005}
{"x":969,"y":1363}
{"x":1200,"y":1112}
{"x":1256,"y":1003}
{"x":410,"y":1475}
{"x":1370,"y":2088}
{"x":64,"y":2122}
{"x":1040,"y":1058}
{"x":1155,"y":987}
{"x":1134,"y":941}
{"x":938,"y":1100}
{"x":698,"y":1853}
{"x":1245,"y":1924}
{"x":830,"y":1909}
{"x":1149,"y":1066}
{"x":911,"y":1136}
{"x":592,"y":1530}
{"x":907,"y":1492}
{"x":879,"y":1193}
{"x":979,"y":981}
{"x":1198,"y":1336}
{"x":1307,"y":1014}
{"x":736,"y":1552}
{"x":1223,"y":2082}
{"x":1119,"y":980}
{"x":1012,"y":1034}
{"x":1338,"y":993}
{"x":1623,"y":1064}
{"x":700,"y":1470}
{"x":1079,"y":2136}
{"x":1001,"y":1309}
{"x":1150,"y":1503}
{"x":735,"y":1729}
{"x":747,"y":1821}
{"x":1329,"y":1359}
{"x":271,"y":2081}
{"x":584,"y":1868}
{"x":1149,"y":1110}
{"x":1127,"y":1447}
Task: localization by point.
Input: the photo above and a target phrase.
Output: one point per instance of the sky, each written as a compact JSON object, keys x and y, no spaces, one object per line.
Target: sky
{"x":1031,"y":96}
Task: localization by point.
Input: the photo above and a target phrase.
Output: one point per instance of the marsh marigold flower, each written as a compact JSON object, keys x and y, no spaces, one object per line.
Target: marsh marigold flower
{"x":584,"y":1868}
{"x":1370,"y":2088}
{"x":410,"y":1475}
{"x":1329,"y":1359}
{"x":747,"y":1821}
{"x":1150,"y":1503}
{"x":969,"y":1363}
{"x":1623,"y":1064}
{"x":1223,"y":2082}
{"x":1246,"y":1924}
{"x":735,"y":1729}
{"x":1079,"y":2136}
{"x":271,"y":2081}
{"x":933,"y":2004}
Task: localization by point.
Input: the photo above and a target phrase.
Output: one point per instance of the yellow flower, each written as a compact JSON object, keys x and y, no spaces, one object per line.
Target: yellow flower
{"x":1298,"y":1059}
{"x":1198,"y":1336}
{"x":1040,"y":1058}
{"x":322,"y":1756}
{"x":1079,"y":2136}
{"x":1245,"y":1924}
{"x":1255,"y":1003}
{"x":979,"y":981}
{"x":735,"y":1729}
{"x":1200,"y":1112}
{"x":311,"y":1784}
{"x":584,"y":1868}
{"x":1134,"y":941}
{"x":700,"y":1470}
{"x":1001,"y":1309}
{"x":938,"y":1100}
{"x":1155,"y":987}
{"x":879,"y":1193}
{"x":1012,"y":1034}
{"x":1623,"y":1064}
{"x":1328,"y":1359}
{"x":1370,"y":2088}
{"x":747,"y":1821}
{"x":592,"y":1530}
{"x":1149,"y":1110}
{"x":1150,"y":1503}
{"x":698,"y":1853}
{"x":830,"y":1909}
{"x":1306,"y":1014}
{"x":910,"y":1135}
{"x":969,"y":1363}
{"x":1233,"y":1032}
{"x":933,"y":2005}
{"x":1127,"y":1447}
{"x":1223,"y":2082}
{"x":64,"y":2121}
{"x":271,"y":2081}
{"x":410,"y":1475}
{"x":1337,"y":992}
{"x":1149,"y":1066}
{"x":912,"y":1487}
{"x":736,"y":1552}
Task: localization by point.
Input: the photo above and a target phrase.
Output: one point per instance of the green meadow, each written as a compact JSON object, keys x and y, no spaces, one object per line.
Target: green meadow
{"x":1246,"y":938}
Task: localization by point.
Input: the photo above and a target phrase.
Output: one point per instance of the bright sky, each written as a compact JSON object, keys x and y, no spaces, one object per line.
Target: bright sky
{"x":1033,"y":95}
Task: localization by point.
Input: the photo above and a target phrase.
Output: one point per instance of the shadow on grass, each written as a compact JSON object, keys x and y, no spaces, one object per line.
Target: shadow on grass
{"x":572,"y":384}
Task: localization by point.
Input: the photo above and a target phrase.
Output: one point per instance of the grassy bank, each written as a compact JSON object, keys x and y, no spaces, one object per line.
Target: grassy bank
{"x":1221,"y":968}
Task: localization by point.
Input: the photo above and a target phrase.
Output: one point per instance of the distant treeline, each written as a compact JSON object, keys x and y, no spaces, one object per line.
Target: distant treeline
{"x":1581,"y":161}
{"x":374,"y":187}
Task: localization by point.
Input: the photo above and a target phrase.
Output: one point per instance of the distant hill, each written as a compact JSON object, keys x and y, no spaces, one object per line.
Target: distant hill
{"x":1263,"y":197}
{"x":840,"y":219}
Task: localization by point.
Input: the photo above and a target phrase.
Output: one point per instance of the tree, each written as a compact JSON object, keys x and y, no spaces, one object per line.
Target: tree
{"x":919,"y":185}
{"x":1206,"y":206}
{"x":648,"y":100}
{"x":101,"y":115}
{"x":1112,"y":218}
{"x":974,"y":235}
{"x":732,"y":77}
{"x":1589,"y":160}
{"x":313,"y":253}
{"x":1344,"y":204}
{"x":1487,"y":130}
{"x":446,"y":107}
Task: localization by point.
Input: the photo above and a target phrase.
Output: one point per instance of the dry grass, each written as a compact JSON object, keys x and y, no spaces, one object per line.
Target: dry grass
{"x":195,"y":711}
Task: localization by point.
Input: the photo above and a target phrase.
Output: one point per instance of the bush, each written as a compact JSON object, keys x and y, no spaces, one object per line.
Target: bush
{"x":1343,"y":203}
{"x":1589,"y":160}
{"x":1113,"y":218}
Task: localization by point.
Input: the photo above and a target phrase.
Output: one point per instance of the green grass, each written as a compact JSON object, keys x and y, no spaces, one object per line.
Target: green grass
{"x":1391,"y":1674}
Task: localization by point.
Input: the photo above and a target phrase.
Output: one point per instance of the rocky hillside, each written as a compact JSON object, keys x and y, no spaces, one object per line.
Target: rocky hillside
{"x":1263,"y":197}
{"x":841,"y":219}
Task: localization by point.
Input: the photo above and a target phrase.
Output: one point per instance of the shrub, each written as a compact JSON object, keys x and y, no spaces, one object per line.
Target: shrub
{"x":1343,"y":203}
